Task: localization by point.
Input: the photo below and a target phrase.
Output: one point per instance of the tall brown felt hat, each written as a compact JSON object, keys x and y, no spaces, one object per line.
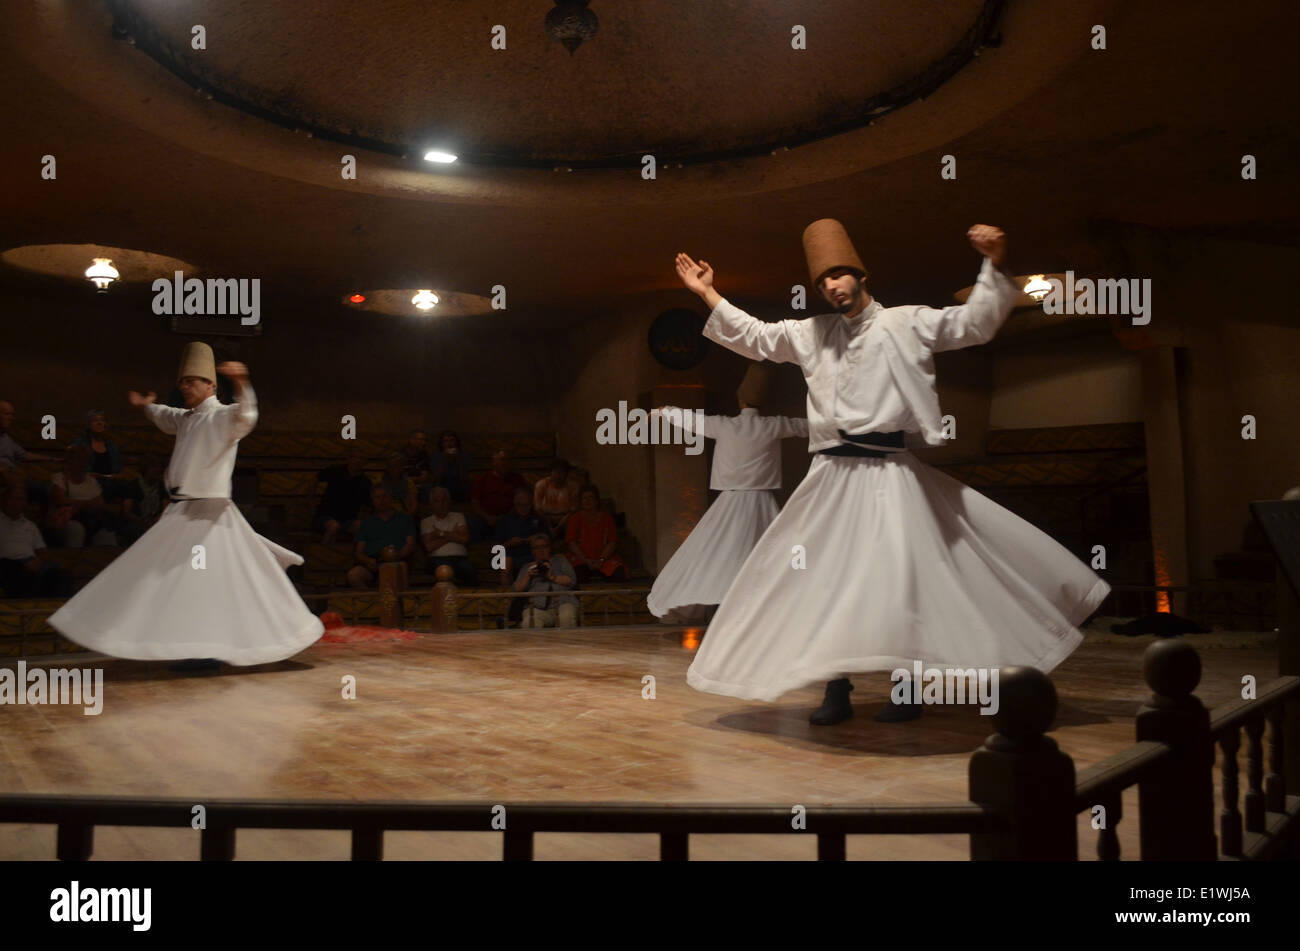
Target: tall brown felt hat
{"x":826,"y":245}
{"x":756,"y":387}
{"x":197,"y":360}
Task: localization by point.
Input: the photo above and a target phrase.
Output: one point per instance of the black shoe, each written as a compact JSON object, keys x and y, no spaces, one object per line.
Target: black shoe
{"x":898,"y":712}
{"x":195,"y":665}
{"x":835,"y":707}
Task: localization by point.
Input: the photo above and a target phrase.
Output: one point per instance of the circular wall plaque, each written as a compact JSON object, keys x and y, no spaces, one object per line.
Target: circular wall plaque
{"x":676,"y":339}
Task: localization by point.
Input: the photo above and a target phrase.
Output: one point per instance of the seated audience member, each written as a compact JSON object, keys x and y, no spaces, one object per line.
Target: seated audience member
{"x":548,"y":574}
{"x":144,"y":501}
{"x":415,"y":458}
{"x":494,"y":494}
{"x":449,"y":468}
{"x":387,"y":526}
{"x":12,"y":455}
{"x":347,"y":492}
{"x":592,"y":539}
{"x":105,"y":456}
{"x":556,"y":496}
{"x":445,"y":534}
{"x":26,"y":570}
{"x":514,"y":529}
{"x":76,"y":511}
{"x":399,"y":485}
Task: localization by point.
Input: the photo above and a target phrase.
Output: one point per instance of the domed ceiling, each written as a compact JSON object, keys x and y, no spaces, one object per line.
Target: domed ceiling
{"x":711,"y":79}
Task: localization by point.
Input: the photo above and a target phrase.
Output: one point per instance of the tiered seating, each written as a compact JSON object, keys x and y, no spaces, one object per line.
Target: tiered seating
{"x":24,"y":631}
{"x":275,"y":485}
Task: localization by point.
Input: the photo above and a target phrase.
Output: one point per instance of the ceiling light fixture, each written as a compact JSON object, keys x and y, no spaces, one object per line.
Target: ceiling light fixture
{"x":1037,"y":288}
{"x":102,"y":273}
{"x":425,"y":300}
{"x":435,"y":155}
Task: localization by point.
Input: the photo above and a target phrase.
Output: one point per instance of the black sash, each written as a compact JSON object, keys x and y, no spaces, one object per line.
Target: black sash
{"x":858,"y":445}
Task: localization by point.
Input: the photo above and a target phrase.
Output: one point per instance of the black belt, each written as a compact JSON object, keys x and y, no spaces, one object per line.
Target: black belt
{"x":857,"y":445}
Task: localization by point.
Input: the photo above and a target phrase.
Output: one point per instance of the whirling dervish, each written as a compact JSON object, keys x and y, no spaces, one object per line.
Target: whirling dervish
{"x":746,"y":470}
{"x":878,"y":560}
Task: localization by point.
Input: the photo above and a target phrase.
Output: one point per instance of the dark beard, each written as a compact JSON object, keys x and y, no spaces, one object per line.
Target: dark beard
{"x":846,"y":307}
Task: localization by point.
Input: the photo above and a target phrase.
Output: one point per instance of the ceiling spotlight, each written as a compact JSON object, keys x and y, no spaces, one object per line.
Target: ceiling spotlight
{"x":425,"y":300}
{"x":102,"y":273}
{"x":358,"y":298}
{"x":1037,"y":288}
{"x":446,"y":158}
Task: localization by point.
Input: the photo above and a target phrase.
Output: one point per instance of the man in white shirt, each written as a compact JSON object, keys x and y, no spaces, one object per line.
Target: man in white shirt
{"x":199,"y":584}
{"x":878,"y":560}
{"x":12,"y":455}
{"x":26,"y":570}
{"x":445,"y":533}
{"x":746,"y":468}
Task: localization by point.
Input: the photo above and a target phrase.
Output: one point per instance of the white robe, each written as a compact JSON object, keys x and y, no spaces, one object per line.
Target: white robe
{"x":746,"y":467}
{"x":200,"y":583}
{"x":875,"y":563}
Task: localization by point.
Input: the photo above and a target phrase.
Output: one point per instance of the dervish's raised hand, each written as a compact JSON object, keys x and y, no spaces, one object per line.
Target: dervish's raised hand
{"x":988,"y":241}
{"x":235,"y":370}
{"x":696,"y":277}
{"x":135,"y":399}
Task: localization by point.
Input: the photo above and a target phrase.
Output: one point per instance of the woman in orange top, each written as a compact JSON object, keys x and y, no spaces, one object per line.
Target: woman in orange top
{"x":592,"y":539}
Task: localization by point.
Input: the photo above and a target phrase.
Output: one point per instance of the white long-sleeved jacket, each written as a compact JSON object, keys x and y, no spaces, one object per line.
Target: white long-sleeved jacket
{"x":874,"y":372}
{"x":748,"y":450}
{"x":207,"y":439}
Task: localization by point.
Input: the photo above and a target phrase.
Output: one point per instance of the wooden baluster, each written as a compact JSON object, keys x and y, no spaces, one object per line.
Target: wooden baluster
{"x":443,"y":602}
{"x":674,"y":847}
{"x":1022,"y":776}
{"x":1275,"y":782}
{"x":392,"y":581}
{"x":1255,"y":775}
{"x":831,"y":847}
{"x":1108,"y":835}
{"x":1229,"y":816}
{"x":367,"y":844}
{"x":217,"y":843}
{"x":1176,"y":799}
{"x":517,"y":844}
{"x":74,"y":842}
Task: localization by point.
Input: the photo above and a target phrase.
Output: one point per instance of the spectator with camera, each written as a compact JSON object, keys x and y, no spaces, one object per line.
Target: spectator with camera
{"x":552,"y":577}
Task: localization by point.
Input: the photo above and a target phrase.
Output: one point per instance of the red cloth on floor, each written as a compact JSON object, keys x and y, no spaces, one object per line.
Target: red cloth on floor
{"x":356,"y":634}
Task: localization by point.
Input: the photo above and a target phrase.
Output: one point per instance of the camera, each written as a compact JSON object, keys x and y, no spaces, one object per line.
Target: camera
{"x":541,"y":568}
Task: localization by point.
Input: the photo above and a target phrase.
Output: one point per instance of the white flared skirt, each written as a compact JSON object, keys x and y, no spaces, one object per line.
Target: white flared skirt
{"x":703,"y":568}
{"x":876,"y":563}
{"x":154,"y":602}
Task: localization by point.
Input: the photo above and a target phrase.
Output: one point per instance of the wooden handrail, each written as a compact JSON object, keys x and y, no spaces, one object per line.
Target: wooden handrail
{"x":1116,"y":773}
{"x":1236,"y":713}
